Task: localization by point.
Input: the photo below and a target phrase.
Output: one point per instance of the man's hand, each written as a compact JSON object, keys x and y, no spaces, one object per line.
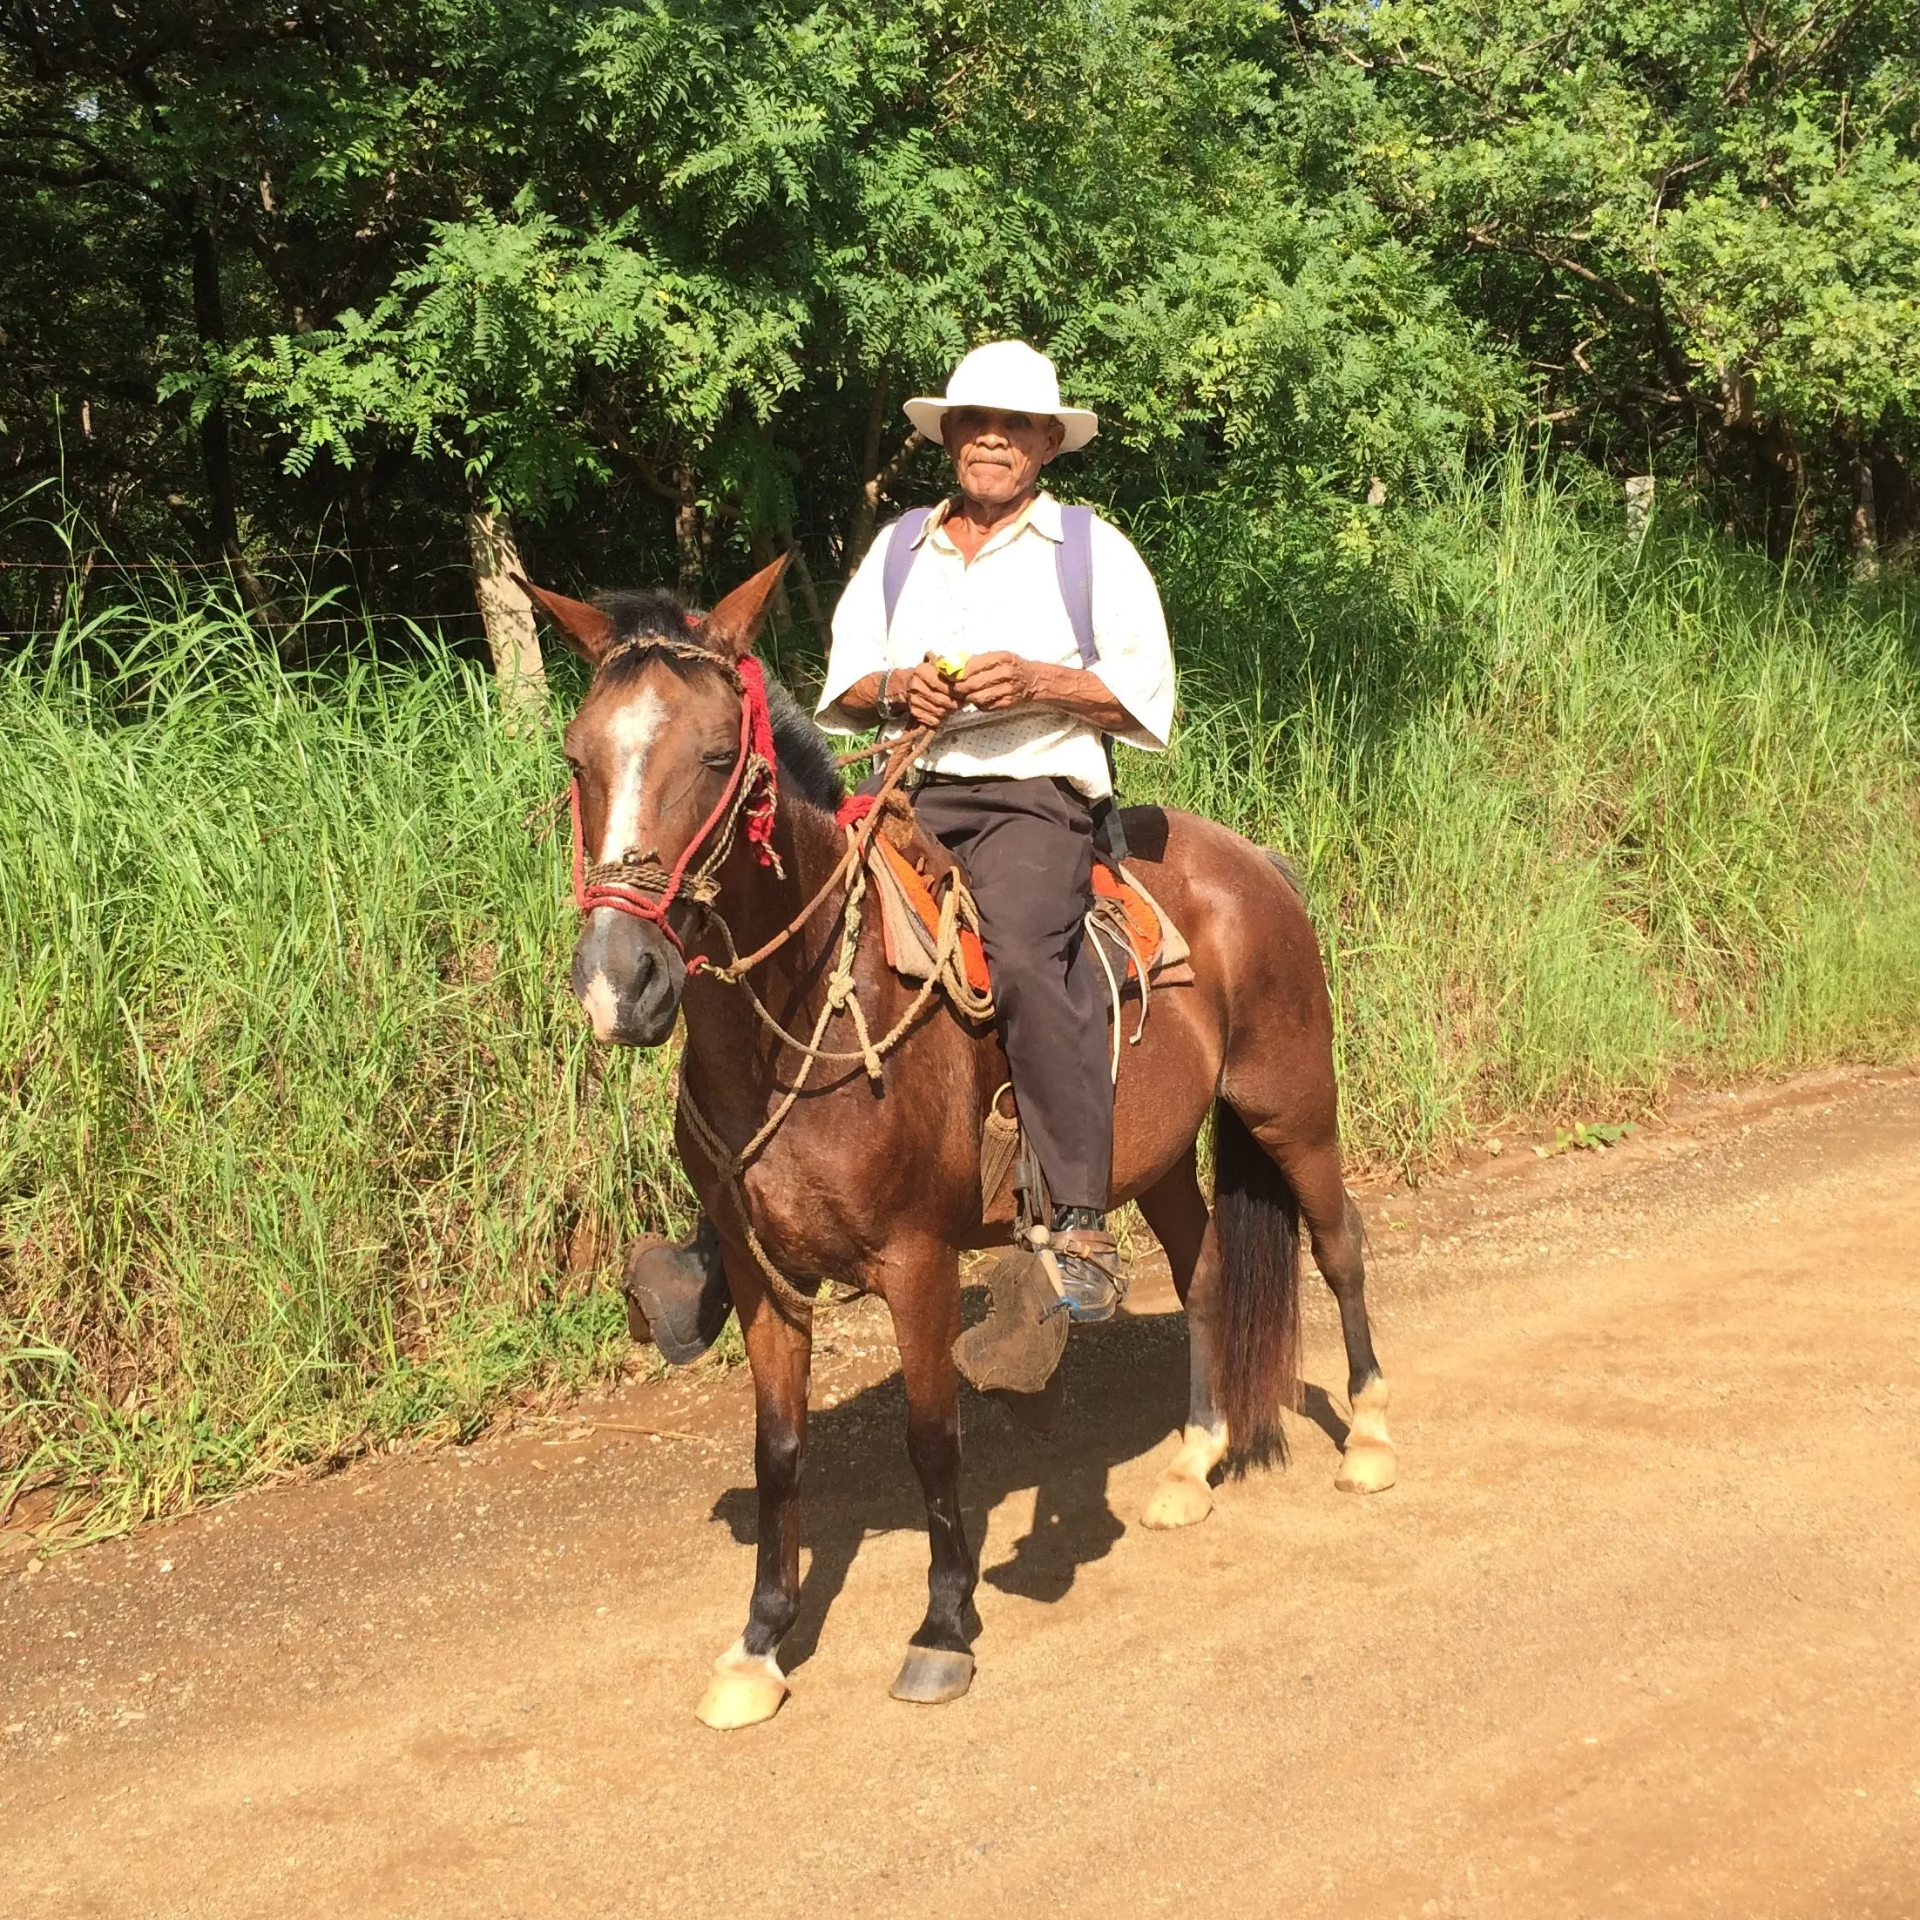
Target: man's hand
{"x":925,"y":690}
{"x":993,"y":682}
{"x":922,"y":691}
{"x":997,"y":682}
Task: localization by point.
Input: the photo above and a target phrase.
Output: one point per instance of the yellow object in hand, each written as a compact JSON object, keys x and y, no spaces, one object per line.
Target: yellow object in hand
{"x":951,"y":665}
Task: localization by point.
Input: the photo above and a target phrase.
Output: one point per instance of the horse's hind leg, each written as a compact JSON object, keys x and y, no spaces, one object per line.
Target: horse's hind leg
{"x":747,"y":1685}
{"x":1176,"y":1210}
{"x":1333,"y":1221}
{"x":925,"y":1299}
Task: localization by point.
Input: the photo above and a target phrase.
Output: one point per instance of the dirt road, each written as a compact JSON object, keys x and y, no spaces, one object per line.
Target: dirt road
{"x":1637,"y":1633}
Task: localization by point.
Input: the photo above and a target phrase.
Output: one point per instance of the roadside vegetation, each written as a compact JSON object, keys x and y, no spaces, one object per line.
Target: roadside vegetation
{"x":305,"y":1148}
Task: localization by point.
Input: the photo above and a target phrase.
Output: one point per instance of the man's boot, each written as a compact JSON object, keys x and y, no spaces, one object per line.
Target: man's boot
{"x":677,"y":1296}
{"x":1087,"y":1258}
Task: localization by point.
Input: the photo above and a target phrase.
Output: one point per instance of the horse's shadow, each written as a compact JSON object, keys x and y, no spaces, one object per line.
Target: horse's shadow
{"x":1126,"y":1391}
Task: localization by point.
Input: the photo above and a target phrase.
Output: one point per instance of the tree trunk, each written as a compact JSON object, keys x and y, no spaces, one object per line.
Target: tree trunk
{"x":809,"y":595}
{"x":1639,"y":491}
{"x":866,"y":508}
{"x":507,"y":611}
{"x":689,"y":536}
{"x":1864,"y":530}
{"x":864,"y":522}
{"x":216,"y":446}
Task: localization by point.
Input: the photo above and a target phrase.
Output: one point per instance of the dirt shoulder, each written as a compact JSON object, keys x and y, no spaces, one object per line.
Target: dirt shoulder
{"x":1635,"y":1633}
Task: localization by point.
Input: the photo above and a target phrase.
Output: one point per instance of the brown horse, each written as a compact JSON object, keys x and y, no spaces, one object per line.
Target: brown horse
{"x":876,"y":1181}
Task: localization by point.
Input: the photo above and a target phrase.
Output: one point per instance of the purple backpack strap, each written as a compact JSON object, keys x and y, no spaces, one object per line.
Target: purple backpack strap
{"x":1073,"y":560}
{"x":901,"y":554}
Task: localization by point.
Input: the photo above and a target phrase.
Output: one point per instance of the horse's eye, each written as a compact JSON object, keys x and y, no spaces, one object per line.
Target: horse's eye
{"x":719,"y":758}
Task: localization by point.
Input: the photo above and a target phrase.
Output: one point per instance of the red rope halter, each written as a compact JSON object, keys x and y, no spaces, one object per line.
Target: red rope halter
{"x":752,"y":790}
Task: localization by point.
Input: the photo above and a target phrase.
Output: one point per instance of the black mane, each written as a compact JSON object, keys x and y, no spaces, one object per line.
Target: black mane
{"x":805,"y":756}
{"x":806,"y":759}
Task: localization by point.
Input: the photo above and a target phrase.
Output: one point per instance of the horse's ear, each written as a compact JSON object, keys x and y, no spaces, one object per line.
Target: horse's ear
{"x":734,"y":625}
{"x":589,"y":632}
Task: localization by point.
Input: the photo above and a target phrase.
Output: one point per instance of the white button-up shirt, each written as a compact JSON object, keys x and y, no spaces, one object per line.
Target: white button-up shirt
{"x":1008,"y":601}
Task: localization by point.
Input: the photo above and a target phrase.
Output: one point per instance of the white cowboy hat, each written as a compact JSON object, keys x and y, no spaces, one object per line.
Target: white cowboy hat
{"x":1009,"y":376}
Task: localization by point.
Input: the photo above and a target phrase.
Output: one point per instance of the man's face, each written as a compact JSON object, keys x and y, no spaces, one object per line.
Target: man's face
{"x":998,"y":456}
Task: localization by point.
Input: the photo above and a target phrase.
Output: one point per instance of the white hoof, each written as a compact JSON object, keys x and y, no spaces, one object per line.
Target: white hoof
{"x":1368,"y":1464}
{"x":1183,"y":1497}
{"x":932,"y":1676}
{"x":1178,"y":1501}
{"x":745,"y":1690}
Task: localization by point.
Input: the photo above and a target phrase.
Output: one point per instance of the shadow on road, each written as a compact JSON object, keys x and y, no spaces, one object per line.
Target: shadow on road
{"x":1126,"y":1391}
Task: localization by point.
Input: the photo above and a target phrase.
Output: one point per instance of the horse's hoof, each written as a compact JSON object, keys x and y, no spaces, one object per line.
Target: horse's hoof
{"x":1178,"y":1501}
{"x":1368,"y":1464}
{"x":745,"y":1690}
{"x":1183,"y":1498}
{"x":931,"y":1676}
{"x":1366,"y":1468}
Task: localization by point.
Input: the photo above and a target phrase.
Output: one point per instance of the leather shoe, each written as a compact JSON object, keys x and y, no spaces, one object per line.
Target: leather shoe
{"x":1087,"y":1258}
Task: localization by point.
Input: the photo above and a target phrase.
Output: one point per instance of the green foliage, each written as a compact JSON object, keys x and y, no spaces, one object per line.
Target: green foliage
{"x":305,"y":1145}
{"x":476,"y":355}
{"x":691,"y":254}
{"x":1701,"y":223}
{"x":1573,"y":812}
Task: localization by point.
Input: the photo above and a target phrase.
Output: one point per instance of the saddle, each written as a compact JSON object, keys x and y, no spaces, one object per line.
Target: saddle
{"x":909,"y":873}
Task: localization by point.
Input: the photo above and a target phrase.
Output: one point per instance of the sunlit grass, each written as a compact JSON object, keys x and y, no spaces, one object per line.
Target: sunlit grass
{"x":305,"y":1145}
{"x":1575,"y":816}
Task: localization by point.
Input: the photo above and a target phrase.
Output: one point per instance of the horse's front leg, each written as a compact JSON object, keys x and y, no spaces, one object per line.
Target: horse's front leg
{"x":747,"y":1685}
{"x":923,"y":1291}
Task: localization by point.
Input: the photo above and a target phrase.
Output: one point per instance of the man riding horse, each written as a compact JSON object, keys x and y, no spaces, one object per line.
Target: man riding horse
{"x":722,"y":875}
{"x":1032,"y":636}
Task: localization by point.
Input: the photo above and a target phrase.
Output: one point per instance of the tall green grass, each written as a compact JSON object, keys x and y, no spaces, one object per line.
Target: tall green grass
{"x":1576,"y":815}
{"x":304,"y":1147}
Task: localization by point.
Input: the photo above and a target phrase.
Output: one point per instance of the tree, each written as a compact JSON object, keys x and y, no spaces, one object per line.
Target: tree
{"x":1694,"y":222}
{"x":659,"y":274}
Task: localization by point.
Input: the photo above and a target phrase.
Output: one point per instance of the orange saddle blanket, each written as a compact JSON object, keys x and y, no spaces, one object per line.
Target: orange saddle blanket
{"x":1125,"y":919}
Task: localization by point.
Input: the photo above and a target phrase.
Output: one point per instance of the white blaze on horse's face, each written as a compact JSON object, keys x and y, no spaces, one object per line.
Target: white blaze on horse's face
{"x":631,"y":731}
{"x":599,"y":1002}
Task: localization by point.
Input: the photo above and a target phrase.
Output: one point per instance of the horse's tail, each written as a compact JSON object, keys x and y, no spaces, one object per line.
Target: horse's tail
{"x":1257,"y":1219}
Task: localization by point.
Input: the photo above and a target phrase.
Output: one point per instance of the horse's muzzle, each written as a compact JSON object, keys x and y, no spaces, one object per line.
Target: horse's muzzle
{"x":628,"y":977}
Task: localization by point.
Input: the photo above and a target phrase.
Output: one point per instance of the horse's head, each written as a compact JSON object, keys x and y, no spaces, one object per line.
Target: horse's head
{"x":659,"y":752}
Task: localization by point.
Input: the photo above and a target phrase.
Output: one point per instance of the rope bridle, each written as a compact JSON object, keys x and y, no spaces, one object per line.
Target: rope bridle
{"x":644,"y":888}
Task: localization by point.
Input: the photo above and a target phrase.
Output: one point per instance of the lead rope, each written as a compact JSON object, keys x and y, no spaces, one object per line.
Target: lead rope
{"x":1113,"y":988}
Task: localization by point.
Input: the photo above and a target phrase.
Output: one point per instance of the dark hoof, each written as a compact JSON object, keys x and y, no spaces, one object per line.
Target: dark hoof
{"x":1037,"y":1412}
{"x":1018,"y":1345}
{"x":677,"y":1296}
{"x":932,"y":1676}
